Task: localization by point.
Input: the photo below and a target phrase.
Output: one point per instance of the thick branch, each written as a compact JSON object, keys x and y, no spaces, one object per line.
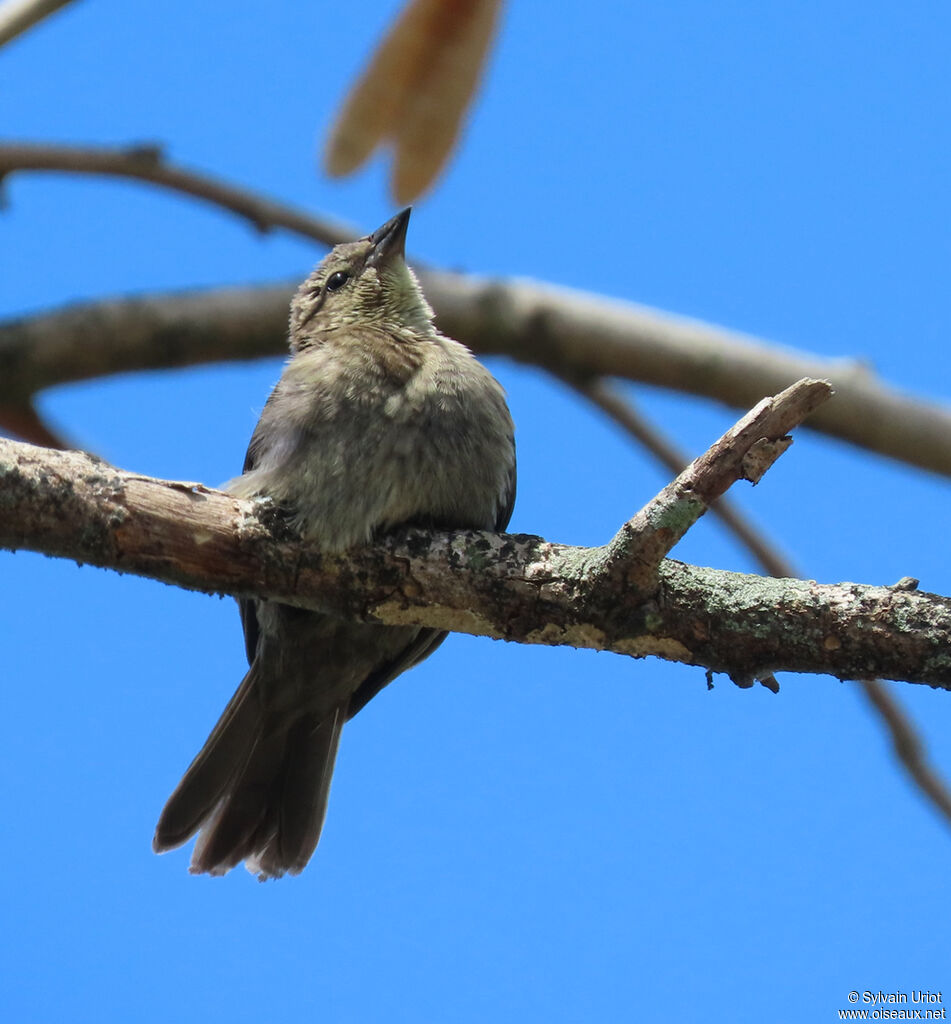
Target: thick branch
{"x":575,"y":335}
{"x":513,"y":587}
{"x":148,"y":332}
{"x":579,"y":335}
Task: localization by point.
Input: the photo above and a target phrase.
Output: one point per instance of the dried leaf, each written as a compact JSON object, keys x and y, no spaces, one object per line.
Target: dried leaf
{"x":415,"y":91}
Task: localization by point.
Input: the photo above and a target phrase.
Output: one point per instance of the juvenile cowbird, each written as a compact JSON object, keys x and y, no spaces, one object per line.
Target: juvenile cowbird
{"x":378,"y":420}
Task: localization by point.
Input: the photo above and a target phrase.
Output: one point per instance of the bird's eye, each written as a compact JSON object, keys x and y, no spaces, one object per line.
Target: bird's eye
{"x":337,"y":280}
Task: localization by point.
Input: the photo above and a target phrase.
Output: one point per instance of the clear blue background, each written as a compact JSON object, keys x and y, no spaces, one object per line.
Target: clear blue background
{"x":515,"y":833}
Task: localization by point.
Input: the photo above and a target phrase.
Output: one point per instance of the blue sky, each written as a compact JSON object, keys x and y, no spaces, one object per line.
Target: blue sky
{"x":514,"y":833}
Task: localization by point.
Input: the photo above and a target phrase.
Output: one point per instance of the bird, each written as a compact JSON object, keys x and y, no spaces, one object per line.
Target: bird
{"x":377,"y":421}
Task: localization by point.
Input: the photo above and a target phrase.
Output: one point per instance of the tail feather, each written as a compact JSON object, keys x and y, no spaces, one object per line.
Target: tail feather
{"x":257,"y":792}
{"x":300,"y":807}
{"x":227,"y":835}
{"x":224,"y":755}
{"x":232,"y":832}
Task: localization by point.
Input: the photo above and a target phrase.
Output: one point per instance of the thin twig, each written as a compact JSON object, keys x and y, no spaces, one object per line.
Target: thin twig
{"x":16,"y":16}
{"x":909,"y":748}
{"x":146,"y":162}
{"x":745,"y":452}
{"x":627,"y":416}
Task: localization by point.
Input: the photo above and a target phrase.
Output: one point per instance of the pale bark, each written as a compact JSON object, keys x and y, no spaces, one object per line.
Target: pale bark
{"x":16,"y":16}
{"x":620,"y":597}
{"x":573,"y":334}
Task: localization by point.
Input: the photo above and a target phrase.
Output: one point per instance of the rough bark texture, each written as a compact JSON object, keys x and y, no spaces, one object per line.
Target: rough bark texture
{"x":513,"y":587}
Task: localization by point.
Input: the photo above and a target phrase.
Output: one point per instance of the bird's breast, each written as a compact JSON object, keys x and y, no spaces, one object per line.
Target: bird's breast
{"x":359,"y":447}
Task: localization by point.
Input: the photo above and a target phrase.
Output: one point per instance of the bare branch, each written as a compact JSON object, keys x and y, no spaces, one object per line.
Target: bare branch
{"x":572,"y":334}
{"x":513,"y":587}
{"x":625,"y":414}
{"x":148,"y":332}
{"x":16,"y":16}
{"x":25,"y":422}
{"x":744,"y":452}
{"x":909,"y":747}
{"x":146,"y":162}
{"x":578,"y":335}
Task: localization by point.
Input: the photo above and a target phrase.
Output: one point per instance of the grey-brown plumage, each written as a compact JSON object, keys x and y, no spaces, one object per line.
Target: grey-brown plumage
{"x":377,"y":421}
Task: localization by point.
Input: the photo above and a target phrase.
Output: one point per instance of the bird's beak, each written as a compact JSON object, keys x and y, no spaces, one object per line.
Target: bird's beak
{"x":390,"y":239}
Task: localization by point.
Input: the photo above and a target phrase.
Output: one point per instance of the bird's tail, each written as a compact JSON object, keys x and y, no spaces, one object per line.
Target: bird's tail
{"x":257,"y":790}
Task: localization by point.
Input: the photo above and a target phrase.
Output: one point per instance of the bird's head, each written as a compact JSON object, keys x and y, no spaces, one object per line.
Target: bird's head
{"x":364,"y":283}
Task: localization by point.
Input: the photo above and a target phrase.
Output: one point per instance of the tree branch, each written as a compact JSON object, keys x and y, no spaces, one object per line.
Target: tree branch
{"x":148,"y":332}
{"x":618,"y":408}
{"x":146,"y":162}
{"x":744,"y":452}
{"x":579,"y":335}
{"x":25,"y":422}
{"x":16,"y":16}
{"x":513,"y":587}
{"x":574,"y":335}
{"x":907,"y":743}
{"x":908,"y":746}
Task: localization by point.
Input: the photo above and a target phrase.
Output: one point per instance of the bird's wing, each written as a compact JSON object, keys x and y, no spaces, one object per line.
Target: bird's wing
{"x":428,"y":639}
{"x":246,"y":605}
{"x":507,"y":498}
